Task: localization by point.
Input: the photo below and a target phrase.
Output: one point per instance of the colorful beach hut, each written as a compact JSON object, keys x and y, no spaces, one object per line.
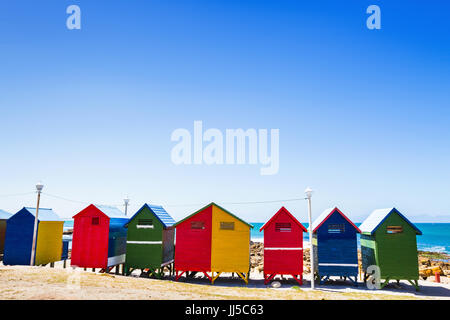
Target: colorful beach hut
{"x":150,"y":240}
{"x":3,"y":217}
{"x":388,"y":240}
{"x":335,"y":246}
{"x":19,"y":237}
{"x":214,"y":240}
{"x":99,"y":238}
{"x":283,"y":246}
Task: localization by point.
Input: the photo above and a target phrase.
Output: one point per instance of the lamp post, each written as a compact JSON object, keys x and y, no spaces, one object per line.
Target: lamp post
{"x":127,"y":202}
{"x":39,"y":187}
{"x":309,"y":193}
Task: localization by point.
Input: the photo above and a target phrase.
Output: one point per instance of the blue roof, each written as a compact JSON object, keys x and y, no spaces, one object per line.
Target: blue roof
{"x":111,"y":212}
{"x":43,"y":214}
{"x":324,"y":215}
{"x":377,"y":217}
{"x":160,"y":213}
{"x":4,"y":215}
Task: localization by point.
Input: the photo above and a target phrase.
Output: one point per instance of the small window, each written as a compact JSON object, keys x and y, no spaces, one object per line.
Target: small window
{"x":394,"y":229}
{"x":282,"y":227}
{"x":145,"y":224}
{"x":200,"y":225}
{"x":95,"y":221}
{"x":226,"y":225}
{"x":336,"y":228}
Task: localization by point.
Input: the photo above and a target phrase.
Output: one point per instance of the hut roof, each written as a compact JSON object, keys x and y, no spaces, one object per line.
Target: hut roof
{"x":44,"y":214}
{"x":4,"y":215}
{"x":160,"y":213}
{"x":207,"y":206}
{"x":111,"y":212}
{"x":326,"y":214}
{"x":283,"y":209}
{"x":377,"y":217}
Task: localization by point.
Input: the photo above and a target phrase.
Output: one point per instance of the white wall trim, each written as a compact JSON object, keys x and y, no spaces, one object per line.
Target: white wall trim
{"x":283,"y":248}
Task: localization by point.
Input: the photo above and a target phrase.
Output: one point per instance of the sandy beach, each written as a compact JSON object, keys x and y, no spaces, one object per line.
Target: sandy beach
{"x":45,"y":283}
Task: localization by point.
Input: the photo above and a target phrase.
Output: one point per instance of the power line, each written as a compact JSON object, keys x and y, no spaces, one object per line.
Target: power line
{"x":77,"y":201}
{"x":236,"y":203}
{"x":181,"y":205}
{"x":15,"y":194}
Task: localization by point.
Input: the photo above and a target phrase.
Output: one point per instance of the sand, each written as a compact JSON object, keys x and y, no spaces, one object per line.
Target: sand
{"x":45,"y":283}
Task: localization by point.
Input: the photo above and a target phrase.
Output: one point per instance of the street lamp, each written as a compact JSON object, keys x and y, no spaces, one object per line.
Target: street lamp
{"x":39,"y":187}
{"x":127,"y":202}
{"x":308,"y":193}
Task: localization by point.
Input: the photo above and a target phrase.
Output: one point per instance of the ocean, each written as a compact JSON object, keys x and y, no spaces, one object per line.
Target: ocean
{"x":435,"y":236}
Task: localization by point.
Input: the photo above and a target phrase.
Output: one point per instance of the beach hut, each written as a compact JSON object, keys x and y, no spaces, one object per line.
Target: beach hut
{"x":99,"y":238}
{"x":214,"y":240}
{"x":335,"y":246}
{"x":283,"y":246}
{"x":19,"y":237}
{"x":3,"y":217}
{"x":150,"y":240}
{"x":388,"y":240}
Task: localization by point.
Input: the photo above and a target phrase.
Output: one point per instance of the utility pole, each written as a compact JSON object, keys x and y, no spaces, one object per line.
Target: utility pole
{"x":309,"y":193}
{"x":39,"y":187}
{"x":127,"y":202}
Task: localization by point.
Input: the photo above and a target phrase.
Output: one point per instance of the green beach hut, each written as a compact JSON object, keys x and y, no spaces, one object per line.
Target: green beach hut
{"x":150,"y":241}
{"x":388,"y":240}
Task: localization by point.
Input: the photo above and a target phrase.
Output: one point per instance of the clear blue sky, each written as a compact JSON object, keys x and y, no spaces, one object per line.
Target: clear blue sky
{"x":364,"y":115}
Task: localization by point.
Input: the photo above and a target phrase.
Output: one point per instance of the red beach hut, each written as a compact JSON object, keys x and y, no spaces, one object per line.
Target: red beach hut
{"x":283,"y":246}
{"x":99,"y":238}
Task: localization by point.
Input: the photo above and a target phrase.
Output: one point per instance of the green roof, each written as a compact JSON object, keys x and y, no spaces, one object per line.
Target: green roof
{"x":209,"y":205}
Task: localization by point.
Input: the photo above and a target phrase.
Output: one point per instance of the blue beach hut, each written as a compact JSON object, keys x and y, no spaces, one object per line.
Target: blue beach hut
{"x":335,"y":246}
{"x":19,"y":237}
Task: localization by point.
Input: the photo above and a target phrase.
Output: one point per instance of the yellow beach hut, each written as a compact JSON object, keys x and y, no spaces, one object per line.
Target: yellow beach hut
{"x":213,"y":240}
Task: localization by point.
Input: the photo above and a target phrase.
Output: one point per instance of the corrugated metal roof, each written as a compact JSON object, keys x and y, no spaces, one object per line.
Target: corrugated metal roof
{"x":44,"y":214}
{"x":322,"y":217}
{"x":162,"y":215}
{"x":213,"y":204}
{"x":283,"y":209}
{"x":4,"y":215}
{"x":376,"y":218}
{"x":111,"y":212}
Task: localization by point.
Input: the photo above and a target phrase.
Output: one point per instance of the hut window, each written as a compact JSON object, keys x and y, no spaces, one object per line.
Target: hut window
{"x":198,"y":225}
{"x":394,"y":229}
{"x":145,"y":224}
{"x":282,"y":227}
{"x":95,"y":221}
{"x":336,"y":228}
{"x":227,"y":225}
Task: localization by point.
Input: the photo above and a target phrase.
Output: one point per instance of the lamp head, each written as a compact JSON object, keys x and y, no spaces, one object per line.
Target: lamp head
{"x":309,"y":192}
{"x":39,"y":186}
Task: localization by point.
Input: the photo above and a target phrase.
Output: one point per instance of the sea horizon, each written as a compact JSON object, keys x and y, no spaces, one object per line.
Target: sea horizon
{"x":435,"y":235}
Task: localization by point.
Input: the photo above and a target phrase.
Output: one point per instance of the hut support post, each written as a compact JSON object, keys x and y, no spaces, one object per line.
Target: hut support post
{"x":268,"y":277}
{"x":386,"y":282}
{"x":178,"y":276}
{"x":243,"y":276}
{"x":298,"y":278}
{"x":214,"y":277}
{"x":415,"y":284}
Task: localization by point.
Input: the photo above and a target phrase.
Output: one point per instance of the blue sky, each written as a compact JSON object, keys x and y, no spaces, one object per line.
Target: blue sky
{"x":363,"y":114}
